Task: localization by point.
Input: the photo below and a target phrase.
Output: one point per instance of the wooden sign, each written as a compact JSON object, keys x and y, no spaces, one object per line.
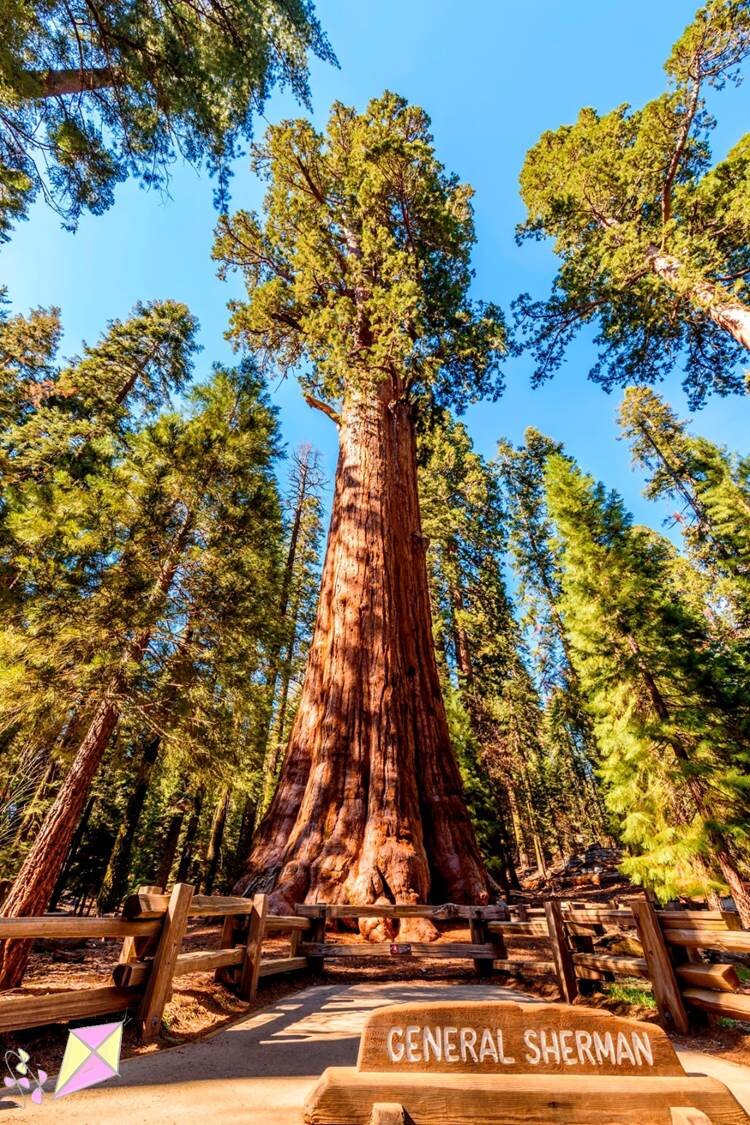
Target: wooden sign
{"x":501,"y":1037}
{"x":502,"y":1063}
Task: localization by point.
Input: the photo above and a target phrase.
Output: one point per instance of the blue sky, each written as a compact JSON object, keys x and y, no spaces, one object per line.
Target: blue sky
{"x":492,"y":76}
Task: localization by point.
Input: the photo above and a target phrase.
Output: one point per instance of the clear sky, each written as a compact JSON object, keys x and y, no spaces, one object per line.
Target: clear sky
{"x":492,"y":75}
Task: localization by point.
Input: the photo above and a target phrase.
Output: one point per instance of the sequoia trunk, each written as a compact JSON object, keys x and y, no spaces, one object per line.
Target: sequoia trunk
{"x":369,"y":806}
{"x":723,"y":309}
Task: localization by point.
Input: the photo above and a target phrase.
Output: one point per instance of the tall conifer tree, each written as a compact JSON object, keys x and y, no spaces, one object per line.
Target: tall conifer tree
{"x":671,"y":720}
{"x":93,"y":92}
{"x":358,"y":276}
{"x":653,"y":238}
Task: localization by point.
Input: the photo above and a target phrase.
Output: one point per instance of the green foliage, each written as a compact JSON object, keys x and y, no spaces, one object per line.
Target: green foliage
{"x":528,"y":784}
{"x":670,"y":712}
{"x":712,"y":487}
{"x":567,"y":767}
{"x":115,"y":491}
{"x":358,"y":271}
{"x":631,"y":991}
{"x":653,"y":240}
{"x":93,"y":93}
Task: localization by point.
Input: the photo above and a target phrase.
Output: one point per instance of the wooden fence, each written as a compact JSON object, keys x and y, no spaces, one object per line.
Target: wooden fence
{"x":153,"y":926}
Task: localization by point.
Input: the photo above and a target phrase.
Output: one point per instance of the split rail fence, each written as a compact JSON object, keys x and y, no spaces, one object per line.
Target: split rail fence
{"x":673,"y":947}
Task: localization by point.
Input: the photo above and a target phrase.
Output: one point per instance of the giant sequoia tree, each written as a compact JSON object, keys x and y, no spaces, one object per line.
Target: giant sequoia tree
{"x":358,"y":276}
{"x":92,"y":91}
{"x":654,"y":240}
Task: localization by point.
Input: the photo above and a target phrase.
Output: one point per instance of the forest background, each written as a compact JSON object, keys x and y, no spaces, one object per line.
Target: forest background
{"x":492,"y":79}
{"x":487,"y":109}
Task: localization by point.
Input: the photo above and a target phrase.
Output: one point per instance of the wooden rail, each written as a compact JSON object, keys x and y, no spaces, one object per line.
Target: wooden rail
{"x":153,"y":926}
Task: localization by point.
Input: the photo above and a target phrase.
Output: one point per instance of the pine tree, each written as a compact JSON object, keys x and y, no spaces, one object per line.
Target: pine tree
{"x":358,"y":277}
{"x":463,"y":523}
{"x":671,"y":716}
{"x":654,"y":240}
{"x":92,"y":94}
{"x":297,"y":604}
{"x":711,"y":486}
{"x":569,"y":737}
{"x":195,"y":502}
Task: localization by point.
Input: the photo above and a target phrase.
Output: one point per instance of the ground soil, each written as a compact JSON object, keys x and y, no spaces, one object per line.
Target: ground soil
{"x":200,"y":1006}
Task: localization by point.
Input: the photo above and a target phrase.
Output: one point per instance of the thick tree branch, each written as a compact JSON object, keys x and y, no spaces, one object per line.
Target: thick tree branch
{"x":58,"y":83}
{"x":318,"y":404}
{"x":674,"y":164}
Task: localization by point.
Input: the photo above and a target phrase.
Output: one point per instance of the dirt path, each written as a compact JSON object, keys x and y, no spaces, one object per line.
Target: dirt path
{"x":260,"y":1069}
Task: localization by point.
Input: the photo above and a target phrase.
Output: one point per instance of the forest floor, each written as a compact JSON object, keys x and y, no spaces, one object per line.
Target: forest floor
{"x":200,"y":1006}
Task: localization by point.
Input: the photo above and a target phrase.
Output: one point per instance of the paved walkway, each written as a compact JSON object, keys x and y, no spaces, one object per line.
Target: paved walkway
{"x":260,"y":1070}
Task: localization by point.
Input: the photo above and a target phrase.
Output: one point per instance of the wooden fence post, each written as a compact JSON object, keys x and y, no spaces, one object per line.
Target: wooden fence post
{"x":230,"y":936}
{"x":160,"y":978}
{"x":581,"y":940}
{"x":564,"y":966}
{"x":660,"y":968}
{"x":387,"y":1113}
{"x":317,"y":934}
{"x":480,"y":935}
{"x":250,"y":974}
{"x":135,"y":948}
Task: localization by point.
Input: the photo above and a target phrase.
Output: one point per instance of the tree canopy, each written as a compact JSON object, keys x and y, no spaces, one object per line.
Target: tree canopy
{"x":359,"y":269}
{"x":93,"y":92}
{"x":654,"y":239}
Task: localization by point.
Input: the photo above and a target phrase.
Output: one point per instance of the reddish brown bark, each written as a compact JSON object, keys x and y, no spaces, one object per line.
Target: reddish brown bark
{"x":369,"y":806}
{"x":724,"y":309}
{"x":35,"y":882}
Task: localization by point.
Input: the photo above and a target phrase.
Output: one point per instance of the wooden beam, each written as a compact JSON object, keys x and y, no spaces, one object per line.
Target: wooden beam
{"x":732,"y":1004}
{"x":480,"y":936}
{"x":69,"y":926}
{"x":520,"y":929}
{"x":136,"y":948}
{"x":731,"y":941}
{"x":722,"y":978}
{"x":150,"y":905}
{"x":682,"y":918}
{"x":272,"y":968}
{"x":687,"y":1115}
{"x":159,"y":982}
{"x":135,"y":973}
{"x":318,"y":922}
{"x":612,"y":963}
{"x":564,"y":967}
{"x":442,"y":913}
{"x":19,"y":1012}
{"x":599,"y":917}
{"x":660,"y":968}
{"x":250,"y":973}
{"x":523,"y":965}
{"x":277,"y":923}
{"x":434,"y":949}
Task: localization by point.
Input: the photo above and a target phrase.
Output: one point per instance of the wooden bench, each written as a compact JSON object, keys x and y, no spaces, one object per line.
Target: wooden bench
{"x":503,"y":1063}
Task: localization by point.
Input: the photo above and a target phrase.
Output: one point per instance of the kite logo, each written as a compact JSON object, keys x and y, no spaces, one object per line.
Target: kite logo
{"x":21,"y":1080}
{"x":92,"y":1054}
